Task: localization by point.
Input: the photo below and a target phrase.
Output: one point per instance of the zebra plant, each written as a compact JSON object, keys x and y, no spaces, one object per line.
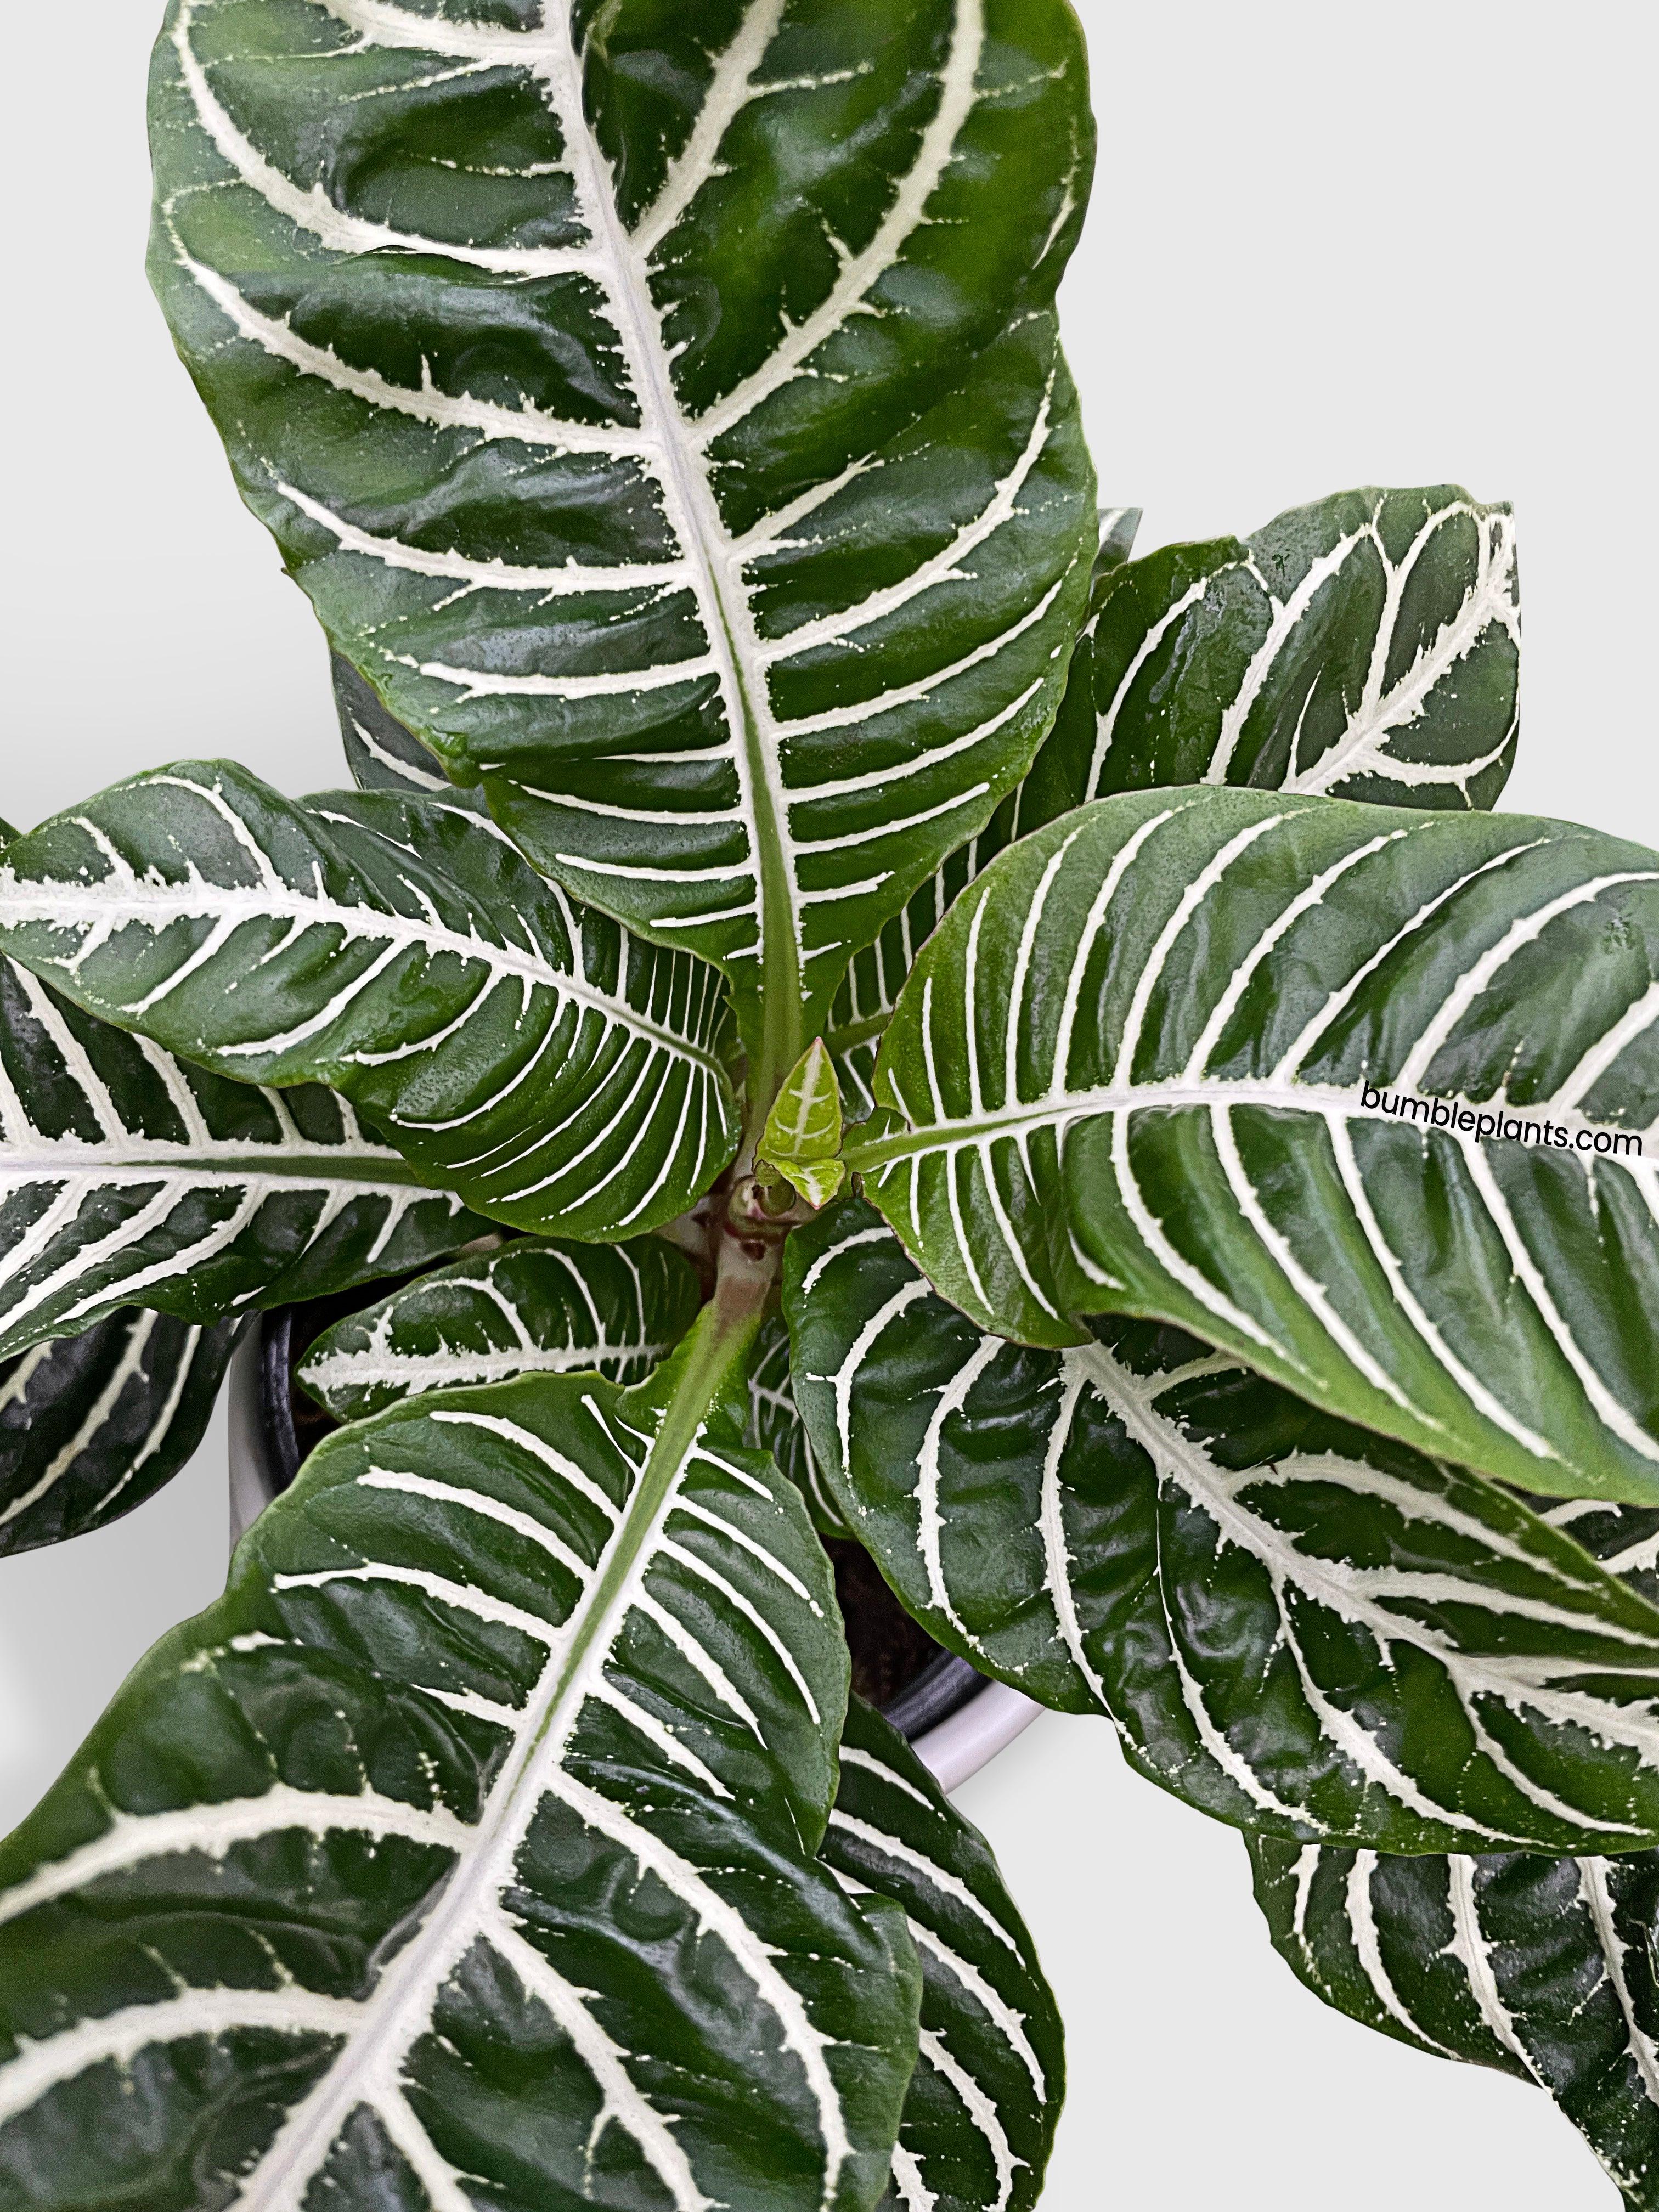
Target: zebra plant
{"x":838,"y":1002}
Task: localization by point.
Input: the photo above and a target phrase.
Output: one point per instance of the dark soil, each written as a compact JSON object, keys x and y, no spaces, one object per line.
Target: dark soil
{"x":889,"y":1649}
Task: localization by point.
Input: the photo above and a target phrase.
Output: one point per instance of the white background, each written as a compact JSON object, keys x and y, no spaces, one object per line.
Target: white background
{"x":1398,"y":241}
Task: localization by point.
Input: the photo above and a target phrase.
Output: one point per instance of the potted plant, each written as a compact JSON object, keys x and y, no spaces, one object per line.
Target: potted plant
{"x":840,"y":1007}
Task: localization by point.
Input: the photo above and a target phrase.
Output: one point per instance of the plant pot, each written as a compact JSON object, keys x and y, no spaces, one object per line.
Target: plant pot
{"x":955,"y":1717}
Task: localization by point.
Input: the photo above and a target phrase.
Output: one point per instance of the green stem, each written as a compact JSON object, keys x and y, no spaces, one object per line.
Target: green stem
{"x":716,"y":1353}
{"x":857,"y":1033}
{"x":864,"y":1153}
{"x":713,"y":1359}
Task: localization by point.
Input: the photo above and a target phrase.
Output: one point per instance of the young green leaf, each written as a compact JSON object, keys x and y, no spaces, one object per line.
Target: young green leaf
{"x":697,"y":466}
{"x":466,"y":1845}
{"x":979,"y":2119}
{"x":1368,"y":646}
{"x":554,"y":1071}
{"x":1359,"y":1094}
{"x":1540,"y":1967}
{"x":539,"y":1307}
{"x":126,"y":1174}
{"x":1295,"y":1625}
{"x":92,"y":1425}
{"x":802,"y":1137}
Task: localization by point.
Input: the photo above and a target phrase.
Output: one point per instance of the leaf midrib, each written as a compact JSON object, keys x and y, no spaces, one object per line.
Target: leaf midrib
{"x":1059,"y":1110}
{"x":707,"y":546}
{"x":590,"y":1629}
{"x":342,"y":1373}
{"x":197,"y":1162}
{"x":1175,"y":1455}
{"x":156,"y":909}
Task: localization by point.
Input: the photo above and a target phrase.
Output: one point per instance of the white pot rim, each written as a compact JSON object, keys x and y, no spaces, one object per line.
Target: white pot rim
{"x":971,"y":1738}
{"x":952,"y":1750}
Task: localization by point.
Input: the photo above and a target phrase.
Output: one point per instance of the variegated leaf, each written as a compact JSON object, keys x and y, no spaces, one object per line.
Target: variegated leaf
{"x":1540,"y":1967}
{"x":979,"y":2120}
{"x":92,"y":1425}
{"x":666,"y":414}
{"x":463,"y":1850}
{"x":380,"y":753}
{"x":530,"y":1053}
{"x":775,"y":1426}
{"x":1625,"y":1538}
{"x":801,"y":1139}
{"x":1368,"y":646}
{"x":869,"y":991}
{"x":1362,"y":1095}
{"x":540,"y":1306}
{"x":126,"y":1175}
{"x":1295,"y":1625}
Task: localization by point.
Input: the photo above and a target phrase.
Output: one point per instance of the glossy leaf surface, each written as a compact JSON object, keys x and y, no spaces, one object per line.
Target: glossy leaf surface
{"x":1295,"y":1625}
{"x":1220,"y":1058}
{"x":868,"y":993}
{"x":775,"y":1426}
{"x":1540,"y":1967}
{"x":668,"y":417}
{"x":1625,"y":1538}
{"x":92,"y":1425}
{"x":556,"y":1070}
{"x":126,"y":1175}
{"x":802,"y":1136}
{"x":380,"y":753}
{"x":1368,"y":646}
{"x":542,"y":1306}
{"x":979,"y":2120}
{"x":463,"y":1852}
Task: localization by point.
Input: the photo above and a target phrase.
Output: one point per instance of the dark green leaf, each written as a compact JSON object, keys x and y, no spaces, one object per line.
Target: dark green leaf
{"x":540,"y":1306}
{"x":557,"y":1072}
{"x":775,"y":1426}
{"x":1367,"y":646}
{"x":126,"y":1174}
{"x":1223,"y":1058}
{"x":869,"y":992}
{"x":664,"y":412}
{"x":1295,"y":1625}
{"x":463,"y":1852}
{"x":92,"y":1425}
{"x":1540,"y":1967}
{"x":380,"y":753}
{"x":1625,"y":1538}
{"x":979,"y":2120}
